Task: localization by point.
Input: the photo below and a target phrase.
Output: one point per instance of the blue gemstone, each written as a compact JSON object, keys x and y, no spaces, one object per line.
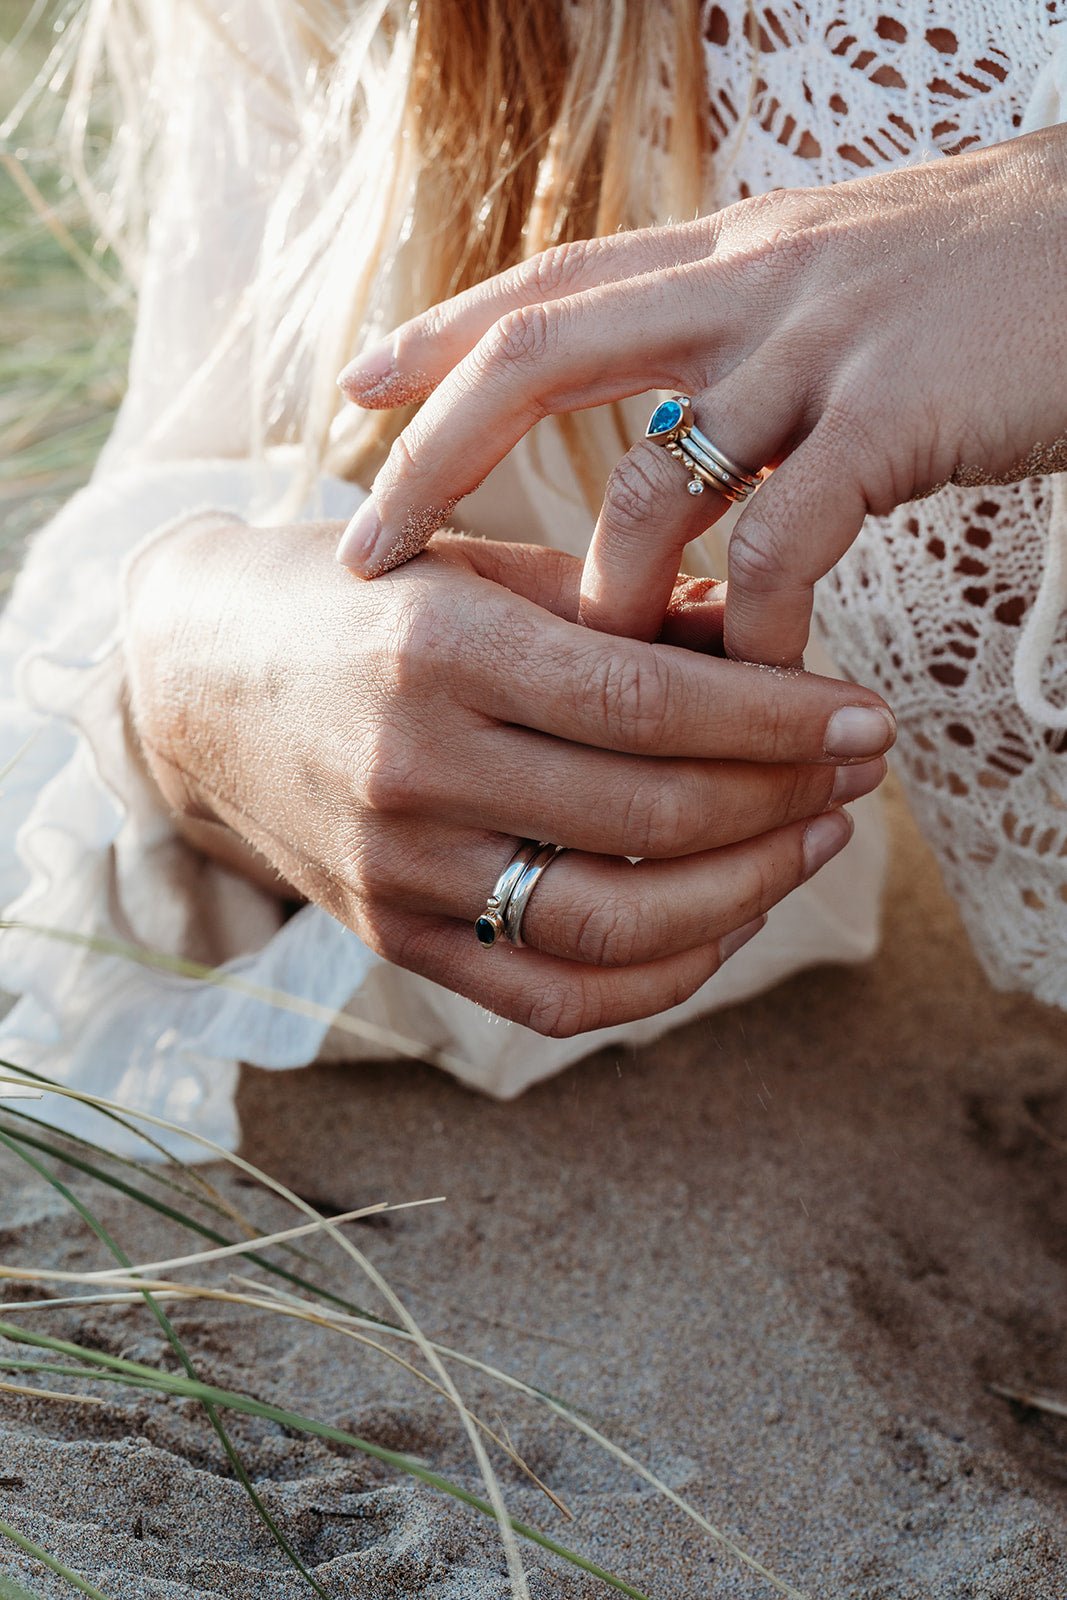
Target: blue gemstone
{"x":665,"y":418}
{"x":485,"y":931}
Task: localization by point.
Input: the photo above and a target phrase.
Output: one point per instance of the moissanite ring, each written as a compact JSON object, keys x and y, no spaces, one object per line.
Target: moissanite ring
{"x":672,"y":426}
{"x":505,"y":906}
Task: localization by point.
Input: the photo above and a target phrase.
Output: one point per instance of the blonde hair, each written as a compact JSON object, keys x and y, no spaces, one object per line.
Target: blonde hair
{"x":429,"y":144}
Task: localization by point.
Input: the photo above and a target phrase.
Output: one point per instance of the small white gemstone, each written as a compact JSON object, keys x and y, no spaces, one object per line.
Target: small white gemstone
{"x":695,"y":486}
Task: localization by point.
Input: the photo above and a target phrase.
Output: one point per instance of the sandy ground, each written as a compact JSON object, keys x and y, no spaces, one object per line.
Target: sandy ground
{"x":781,"y":1256}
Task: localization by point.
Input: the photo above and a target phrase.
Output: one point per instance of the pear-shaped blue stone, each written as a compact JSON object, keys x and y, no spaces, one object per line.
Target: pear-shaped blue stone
{"x":485,"y":931}
{"x":665,"y":418}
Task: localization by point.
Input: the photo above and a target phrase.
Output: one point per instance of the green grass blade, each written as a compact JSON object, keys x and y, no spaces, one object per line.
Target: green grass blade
{"x":153,"y":1173}
{"x":191,"y":1223}
{"x":117,"y":1369}
{"x":211,"y":1196}
{"x":232,"y":1455}
{"x":27,"y":1546}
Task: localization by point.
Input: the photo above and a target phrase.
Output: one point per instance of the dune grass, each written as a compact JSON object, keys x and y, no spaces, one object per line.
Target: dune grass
{"x":318,"y":1304}
{"x":65,"y":314}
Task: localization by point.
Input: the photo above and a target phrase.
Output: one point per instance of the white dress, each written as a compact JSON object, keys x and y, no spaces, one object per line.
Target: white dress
{"x":929,"y":608}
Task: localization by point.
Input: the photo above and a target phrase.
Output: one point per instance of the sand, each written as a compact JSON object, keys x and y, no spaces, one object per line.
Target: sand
{"x":781,"y":1256}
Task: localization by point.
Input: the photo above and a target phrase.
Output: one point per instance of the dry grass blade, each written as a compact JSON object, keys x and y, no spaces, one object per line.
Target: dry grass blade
{"x":211,"y":1411}
{"x":516,"y":1571}
{"x":134,"y":1374}
{"x":572,"y":1418}
{"x":1050,"y":1403}
{"x":31,"y":1393}
{"x":28,"y":1547}
{"x":164,"y":1290}
{"x":260,"y":1242}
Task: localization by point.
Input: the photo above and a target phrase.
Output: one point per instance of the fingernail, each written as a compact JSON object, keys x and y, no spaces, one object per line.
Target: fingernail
{"x":731,"y":944}
{"x":860,"y":731}
{"x":358,"y":545}
{"x":823,"y":838}
{"x":371,"y":368}
{"x":851,"y":782}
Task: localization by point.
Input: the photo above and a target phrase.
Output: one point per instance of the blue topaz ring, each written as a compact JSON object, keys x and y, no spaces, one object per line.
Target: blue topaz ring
{"x":490,"y":925}
{"x":671,"y":425}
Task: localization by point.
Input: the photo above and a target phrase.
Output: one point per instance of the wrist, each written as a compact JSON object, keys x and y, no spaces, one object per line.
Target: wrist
{"x":166,"y":637}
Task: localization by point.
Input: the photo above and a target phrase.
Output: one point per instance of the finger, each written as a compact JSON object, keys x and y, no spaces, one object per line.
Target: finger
{"x":648,"y":516}
{"x":591,"y":914}
{"x":414,"y":359}
{"x":534,"y":787}
{"x":536,"y":360}
{"x":601,"y":910}
{"x":615,"y":694}
{"x":799,"y":523}
{"x":695,"y":615}
{"x":522,"y":665}
{"x":552,"y":579}
{"x":555,"y":998}
{"x":647,"y":519}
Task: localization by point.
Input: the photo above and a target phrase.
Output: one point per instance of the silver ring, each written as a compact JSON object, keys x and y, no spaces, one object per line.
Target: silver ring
{"x":519,"y":898}
{"x":671,"y":425}
{"x":490,"y":925}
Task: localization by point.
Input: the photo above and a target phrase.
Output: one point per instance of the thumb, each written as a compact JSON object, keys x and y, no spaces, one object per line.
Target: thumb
{"x":797,"y":525}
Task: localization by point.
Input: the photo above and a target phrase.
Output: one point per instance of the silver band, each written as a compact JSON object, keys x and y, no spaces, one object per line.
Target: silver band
{"x":519,"y":898}
{"x":703,"y":471}
{"x":490,"y":925}
{"x":718,"y":458}
{"x":700,"y":450}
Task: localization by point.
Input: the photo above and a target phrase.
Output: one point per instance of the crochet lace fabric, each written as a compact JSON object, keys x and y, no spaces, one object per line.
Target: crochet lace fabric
{"x":930,"y":605}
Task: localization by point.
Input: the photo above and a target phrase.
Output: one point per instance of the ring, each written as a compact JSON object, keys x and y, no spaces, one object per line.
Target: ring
{"x":519,"y":898}
{"x":490,"y":925}
{"x":672,"y":426}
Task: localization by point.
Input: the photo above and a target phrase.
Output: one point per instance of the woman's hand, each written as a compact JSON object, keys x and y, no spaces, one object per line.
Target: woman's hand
{"x":383,"y":746}
{"x":876,"y":338}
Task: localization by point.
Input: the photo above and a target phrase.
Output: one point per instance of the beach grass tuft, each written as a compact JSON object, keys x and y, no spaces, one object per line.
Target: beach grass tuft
{"x":65,"y":313}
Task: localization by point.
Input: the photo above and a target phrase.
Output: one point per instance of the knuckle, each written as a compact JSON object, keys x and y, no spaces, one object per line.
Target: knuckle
{"x":631,"y":490}
{"x":394,"y":938}
{"x":753,"y":564}
{"x":608,"y":934}
{"x":559,"y":1009}
{"x":411,"y":340}
{"x":378,"y":871}
{"x":779,"y":230}
{"x":656,"y":820}
{"x":400,"y":466}
{"x":554,"y":271}
{"x":763,"y":890}
{"x":631,"y":694}
{"x":521,"y":337}
{"x":390,"y":779}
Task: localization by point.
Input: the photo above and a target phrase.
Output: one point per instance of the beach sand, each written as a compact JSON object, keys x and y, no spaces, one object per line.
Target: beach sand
{"x":781,"y":1256}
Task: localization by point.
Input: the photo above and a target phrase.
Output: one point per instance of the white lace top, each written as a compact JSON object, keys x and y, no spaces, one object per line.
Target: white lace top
{"x":930,"y":608}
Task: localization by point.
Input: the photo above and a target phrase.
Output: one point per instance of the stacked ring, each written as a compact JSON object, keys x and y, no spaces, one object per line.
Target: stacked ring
{"x":671,"y":425}
{"x":511,"y":893}
{"x":490,"y":925}
{"x":520,"y":895}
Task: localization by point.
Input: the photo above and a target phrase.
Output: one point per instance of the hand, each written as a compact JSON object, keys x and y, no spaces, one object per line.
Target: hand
{"x":873,"y":340}
{"x":383,"y":746}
